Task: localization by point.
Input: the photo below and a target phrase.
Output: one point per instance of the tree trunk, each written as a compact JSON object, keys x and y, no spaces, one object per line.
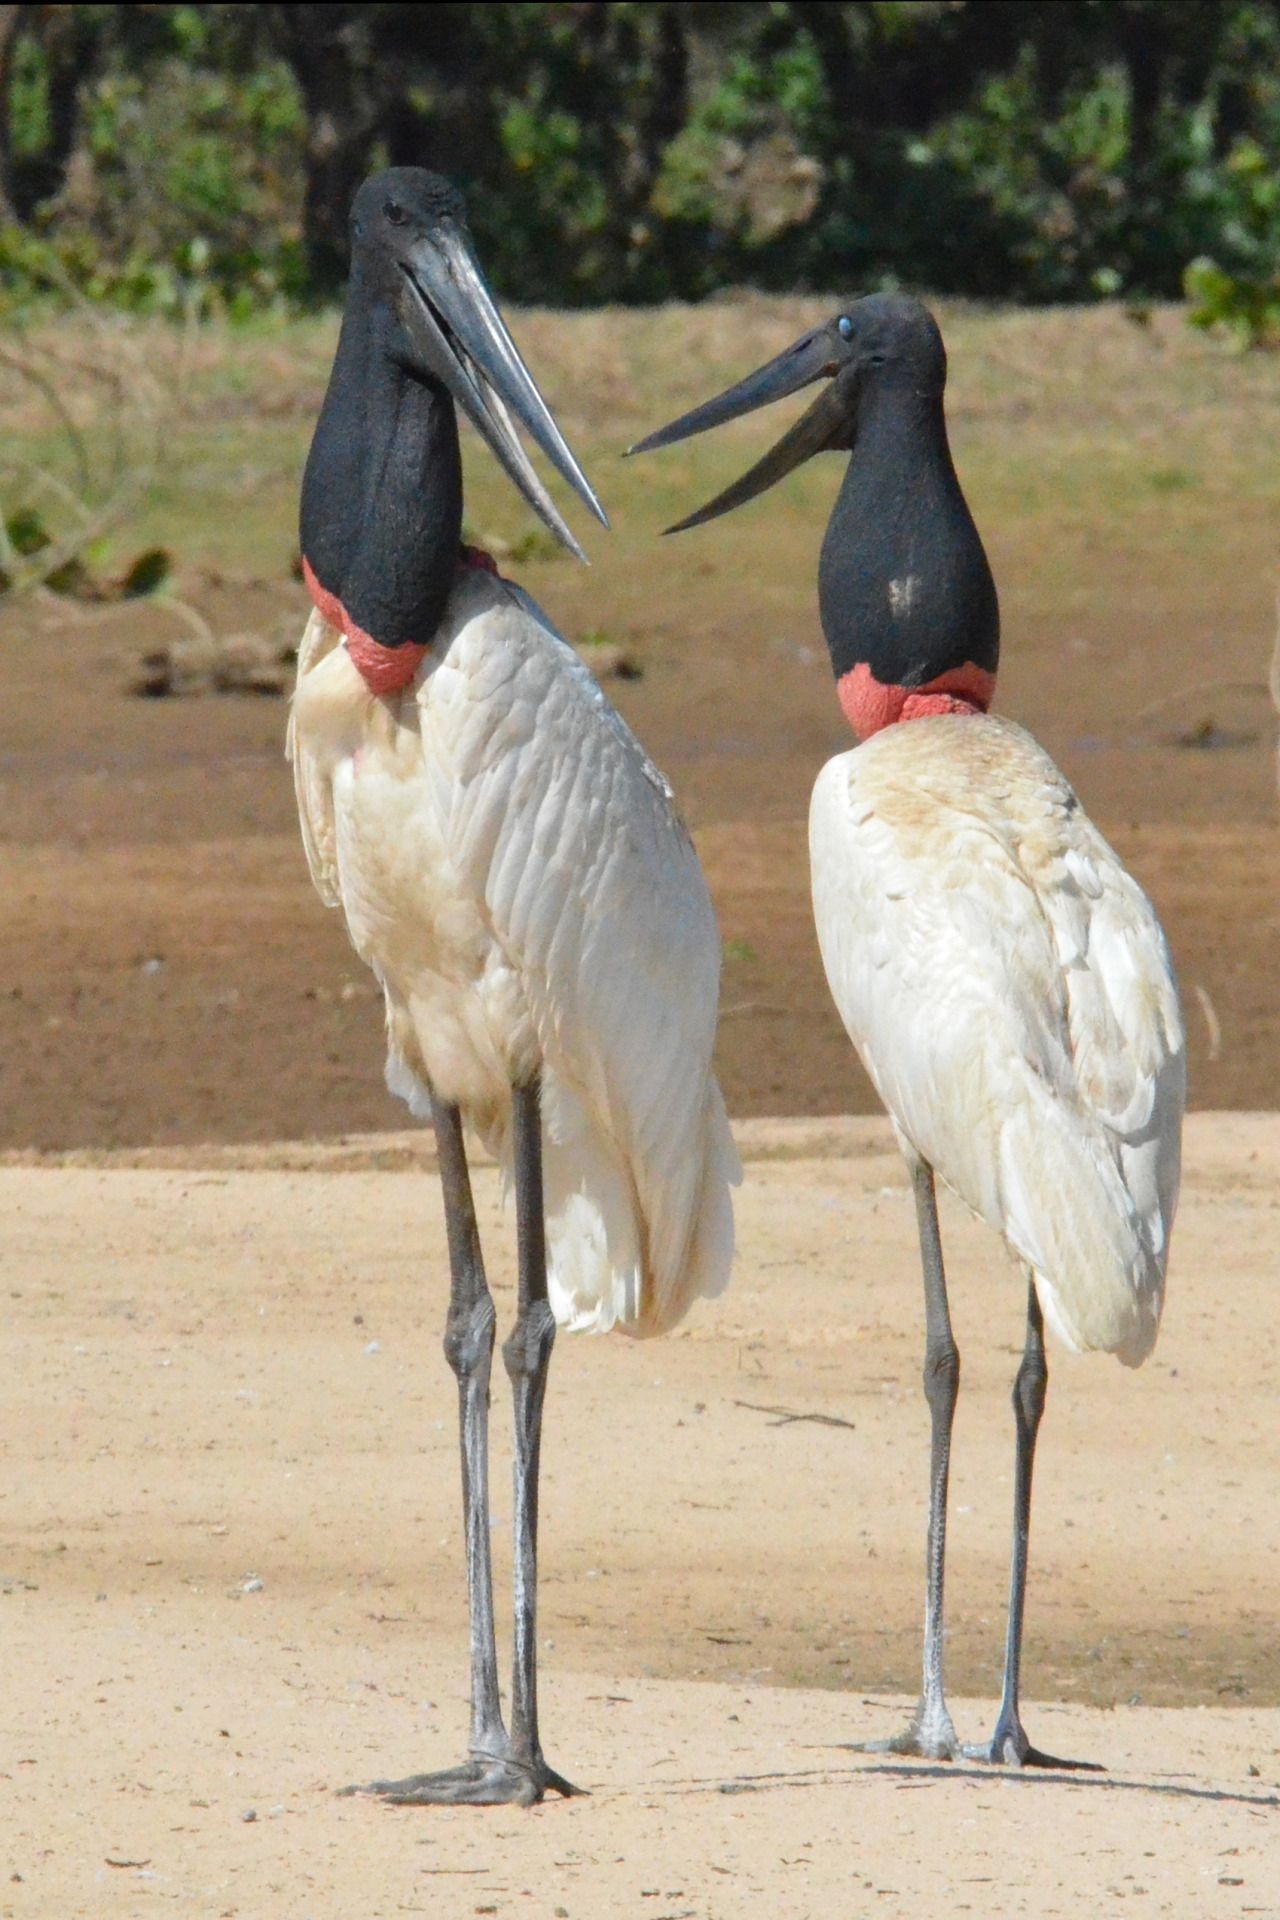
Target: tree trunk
{"x":322,"y":45}
{"x":10,"y":23}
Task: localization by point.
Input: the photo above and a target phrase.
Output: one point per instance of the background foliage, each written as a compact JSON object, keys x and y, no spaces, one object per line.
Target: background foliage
{"x":194,"y":158}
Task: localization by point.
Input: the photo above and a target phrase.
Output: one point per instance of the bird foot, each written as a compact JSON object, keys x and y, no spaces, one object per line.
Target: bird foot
{"x":929,"y":1737}
{"x":1010,"y":1747}
{"x":479,"y":1782}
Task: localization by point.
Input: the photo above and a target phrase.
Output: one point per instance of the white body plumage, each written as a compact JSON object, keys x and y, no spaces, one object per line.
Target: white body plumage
{"x":512,"y":867}
{"x":1009,"y":990}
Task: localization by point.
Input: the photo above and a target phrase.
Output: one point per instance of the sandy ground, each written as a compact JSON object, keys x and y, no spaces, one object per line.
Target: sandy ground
{"x":231,"y":1572}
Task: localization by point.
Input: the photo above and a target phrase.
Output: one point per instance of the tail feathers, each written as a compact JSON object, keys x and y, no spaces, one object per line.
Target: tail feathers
{"x":407,"y":1085}
{"x":600,"y":1274}
{"x":1070,"y":1216}
{"x":711,"y":1251}
{"x":595,"y":1260}
{"x":595,"y":1264}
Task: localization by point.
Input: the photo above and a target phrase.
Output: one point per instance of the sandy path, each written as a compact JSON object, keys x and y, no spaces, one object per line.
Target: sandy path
{"x":225,"y":1371}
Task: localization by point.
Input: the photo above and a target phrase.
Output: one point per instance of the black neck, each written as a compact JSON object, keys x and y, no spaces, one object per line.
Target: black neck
{"x":903,"y":584}
{"x":382,"y":492}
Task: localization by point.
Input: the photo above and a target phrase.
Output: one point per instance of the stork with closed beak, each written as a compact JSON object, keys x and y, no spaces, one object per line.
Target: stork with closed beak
{"x":512,"y":867}
{"x":1004,"y":980}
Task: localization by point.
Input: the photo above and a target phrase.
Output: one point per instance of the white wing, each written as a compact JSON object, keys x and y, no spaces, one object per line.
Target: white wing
{"x":1010,"y":992}
{"x":566,"y":831}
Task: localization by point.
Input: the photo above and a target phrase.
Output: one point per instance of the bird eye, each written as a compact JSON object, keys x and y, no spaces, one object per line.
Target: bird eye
{"x":844,"y":327}
{"x":395,"y":213}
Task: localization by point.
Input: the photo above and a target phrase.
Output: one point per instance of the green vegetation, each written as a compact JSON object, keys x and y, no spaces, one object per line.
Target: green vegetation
{"x":1243,"y":297}
{"x":195,"y":160}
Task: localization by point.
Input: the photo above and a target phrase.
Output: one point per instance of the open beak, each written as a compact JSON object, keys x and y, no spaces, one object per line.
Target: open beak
{"x":453,"y":321}
{"x":826,"y":424}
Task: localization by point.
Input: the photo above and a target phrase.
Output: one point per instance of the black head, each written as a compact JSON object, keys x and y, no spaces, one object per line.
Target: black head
{"x":908,"y":604}
{"x":882,"y":340}
{"x":891,"y":338}
{"x":412,"y":256}
{"x":398,"y":205}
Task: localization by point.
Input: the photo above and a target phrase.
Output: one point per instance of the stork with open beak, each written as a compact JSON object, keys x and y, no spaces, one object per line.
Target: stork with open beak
{"x":512,"y":867}
{"x":1004,"y":980}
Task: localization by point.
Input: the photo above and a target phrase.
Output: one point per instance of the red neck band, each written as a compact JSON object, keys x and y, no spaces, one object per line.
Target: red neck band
{"x":868,"y":705}
{"x":383,"y":669}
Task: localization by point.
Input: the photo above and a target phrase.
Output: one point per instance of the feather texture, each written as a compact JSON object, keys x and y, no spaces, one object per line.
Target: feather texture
{"x":1009,"y":990}
{"x":512,"y":866}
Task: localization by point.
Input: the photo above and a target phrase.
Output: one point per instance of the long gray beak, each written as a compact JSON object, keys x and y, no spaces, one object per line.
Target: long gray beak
{"x":826,"y":424}
{"x":454,"y":323}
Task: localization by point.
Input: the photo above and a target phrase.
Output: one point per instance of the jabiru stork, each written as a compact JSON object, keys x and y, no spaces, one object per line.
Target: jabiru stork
{"x":1004,"y":980}
{"x":513,"y":868}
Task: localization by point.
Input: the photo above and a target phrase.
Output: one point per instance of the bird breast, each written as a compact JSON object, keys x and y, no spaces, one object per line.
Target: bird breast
{"x":386,"y":776}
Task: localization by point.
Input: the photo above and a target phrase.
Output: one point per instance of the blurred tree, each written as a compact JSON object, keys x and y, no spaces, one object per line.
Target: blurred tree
{"x":46,"y":53}
{"x":622,"y":149}
{"x":383,"y":84}
{"x":555,"y":118}
{"x":153,"y":153}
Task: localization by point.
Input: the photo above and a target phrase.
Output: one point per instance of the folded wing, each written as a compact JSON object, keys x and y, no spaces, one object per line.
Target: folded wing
{"x":562,"y":826}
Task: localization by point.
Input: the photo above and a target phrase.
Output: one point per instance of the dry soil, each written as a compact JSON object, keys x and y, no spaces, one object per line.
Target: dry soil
{"x":232,"y":1570}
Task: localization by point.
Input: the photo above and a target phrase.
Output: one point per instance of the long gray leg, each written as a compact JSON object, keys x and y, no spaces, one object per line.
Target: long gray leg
{"x":468,"y":1346}
{"x":501,"y":1769}
{"x":931,"y":1734}
{"x":1009,"y":1745}
{"x":527,"y":1354}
